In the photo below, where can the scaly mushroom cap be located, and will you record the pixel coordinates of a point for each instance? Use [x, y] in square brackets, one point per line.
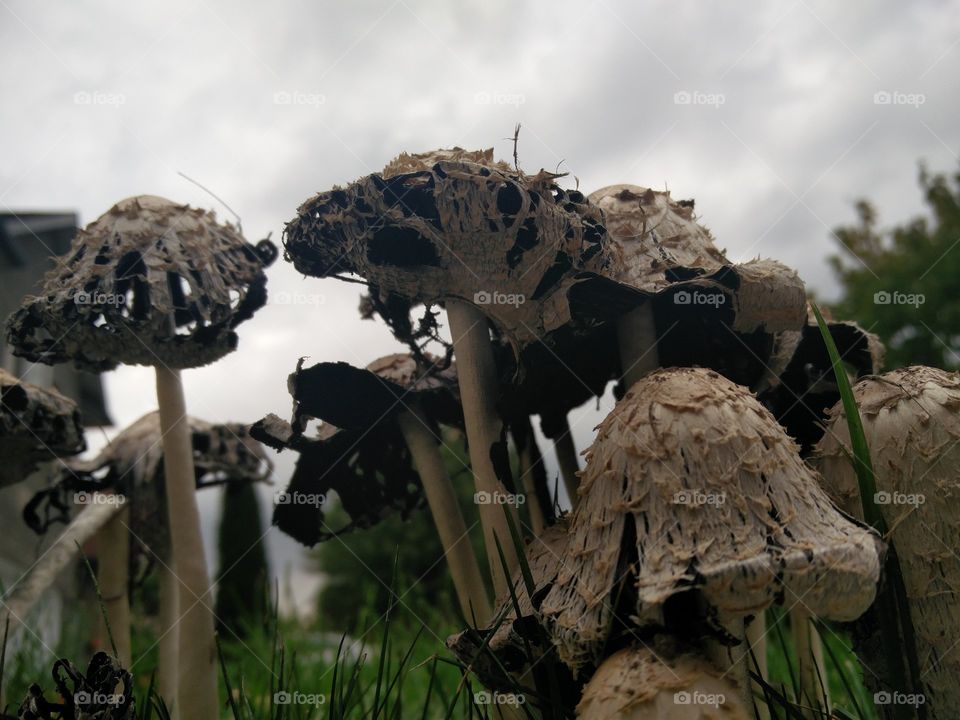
[694, 496]
[708, 311]
[459, 225]
[149, 282]
[36, 424]
[912, 426]
[638, 684]
[132, 465]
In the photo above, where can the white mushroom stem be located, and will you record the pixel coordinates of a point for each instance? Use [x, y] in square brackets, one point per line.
[811, 670]
[168, 647]
[437, 486]
[567, 460]
[477, 377]
[19, 600]
[637, 337]
[526, 459]
[734, 660]
[755, 633]
[197, 681]
[113, 559]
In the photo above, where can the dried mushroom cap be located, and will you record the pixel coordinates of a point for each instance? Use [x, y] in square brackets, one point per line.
[693, 496]
[149, 282]
[417, 162]
[103, 692]
[356, 399]
[912, 427]
[639, 684]
[477, 231]
[371, 471]
[36, 424]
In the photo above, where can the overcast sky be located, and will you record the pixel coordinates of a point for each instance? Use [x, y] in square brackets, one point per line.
[767, 113]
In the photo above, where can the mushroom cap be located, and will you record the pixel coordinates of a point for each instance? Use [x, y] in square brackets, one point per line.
[357, 399]
[36, 424]
[639, 684]
[912, 427]
[694, 496]
[149, 282]
[463, 227]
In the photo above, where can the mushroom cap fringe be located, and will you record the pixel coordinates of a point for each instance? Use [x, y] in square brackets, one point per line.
[912, 426]
[36, 424]
[694, 497]
[645, 684]
[149, 282]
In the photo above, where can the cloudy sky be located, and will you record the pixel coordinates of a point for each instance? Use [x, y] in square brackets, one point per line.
[775, 116]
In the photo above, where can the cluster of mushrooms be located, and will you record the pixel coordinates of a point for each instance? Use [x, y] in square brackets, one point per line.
[719, 485]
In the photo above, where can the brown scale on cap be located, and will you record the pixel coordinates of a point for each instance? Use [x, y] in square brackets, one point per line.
[912, 427]
[693, 497]
[149, 282]
[36, 424]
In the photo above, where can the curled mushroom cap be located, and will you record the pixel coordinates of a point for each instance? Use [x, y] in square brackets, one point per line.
[456, 224]
[640, 684]
[694, 497]
[149, 282]
[912, 426]
[36, 424]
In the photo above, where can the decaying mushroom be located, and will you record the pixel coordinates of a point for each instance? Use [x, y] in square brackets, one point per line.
[912, 427]
[492, 244]
[131, 467]
[697, 513]
[153, 282]
[378, 449]
[103, 692]
[36, 424]
[640, 683]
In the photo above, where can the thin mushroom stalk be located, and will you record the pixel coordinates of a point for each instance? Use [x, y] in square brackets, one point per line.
[113, 567]
[558, 430]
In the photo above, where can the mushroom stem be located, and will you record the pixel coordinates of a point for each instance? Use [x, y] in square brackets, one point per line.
[197, 681]
[18, 601]
[169, 643]
[811, 670]
[527, 461]
[734, 660]
[442, 500]
[637, 337]
[756, 637]
[113, 558]
[567, 460]
[477, 377]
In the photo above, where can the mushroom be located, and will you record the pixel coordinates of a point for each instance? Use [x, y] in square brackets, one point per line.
[36, 424]
[638, 683]
[910, 420]
[104, 692]
[696, 514]
[457, 227]
[131, 467]
[152, 282]
[387, 415]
